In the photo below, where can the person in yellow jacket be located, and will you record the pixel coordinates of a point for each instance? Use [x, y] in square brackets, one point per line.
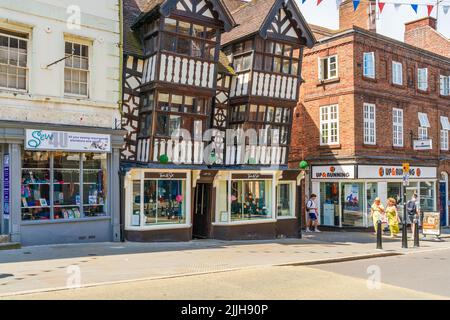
[377, 213]
[392, 217]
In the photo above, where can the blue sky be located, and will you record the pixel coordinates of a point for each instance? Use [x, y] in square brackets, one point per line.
[391, 22]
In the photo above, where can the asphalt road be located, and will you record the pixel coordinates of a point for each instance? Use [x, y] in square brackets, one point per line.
[413, 276]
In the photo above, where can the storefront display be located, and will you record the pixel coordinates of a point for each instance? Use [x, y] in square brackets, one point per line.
[285, 200]
[353, 208]
[329, 206]
[250, 200]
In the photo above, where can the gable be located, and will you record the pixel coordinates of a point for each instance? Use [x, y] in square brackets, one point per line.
[195, 7]
[282, 25]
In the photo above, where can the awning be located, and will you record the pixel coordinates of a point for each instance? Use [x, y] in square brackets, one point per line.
[423, 120]
[445, 123]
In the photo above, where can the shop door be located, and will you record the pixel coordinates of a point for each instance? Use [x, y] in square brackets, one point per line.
[202, 205]
[443, 202]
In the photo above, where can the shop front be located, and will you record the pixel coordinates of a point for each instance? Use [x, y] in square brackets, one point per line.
[178, 205]
[61, 186]
[346, 192]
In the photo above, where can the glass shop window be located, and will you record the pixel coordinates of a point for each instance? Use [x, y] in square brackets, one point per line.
[250, 200]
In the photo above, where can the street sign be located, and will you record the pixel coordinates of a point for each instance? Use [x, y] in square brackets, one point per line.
[406, 180]
[406, 168]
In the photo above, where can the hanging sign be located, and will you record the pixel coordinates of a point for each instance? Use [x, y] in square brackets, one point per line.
[6, 186]
[45, 140]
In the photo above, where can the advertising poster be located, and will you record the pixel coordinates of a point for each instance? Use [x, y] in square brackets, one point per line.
[351, 193]
[431, 223]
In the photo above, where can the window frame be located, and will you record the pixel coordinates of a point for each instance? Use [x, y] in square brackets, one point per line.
[422, 133]
[422, 84]
[292, 199]
[444, 85]
[24, 36]
[329, 122]
[397, 66]
[321, 68]
[444, 139]
[365, 74]
[82, 44]
[396, 113]
[368, 138]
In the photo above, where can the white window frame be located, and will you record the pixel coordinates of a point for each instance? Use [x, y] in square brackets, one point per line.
[397, 73]
[445, 123]
[26, 68]
[326, 60]
[82, 43]
[327, 111]
[397, 127]
[444, 139]
[369, 70]
[292, 200]
[422, 133]
[423, 120]
[370, 124]
[444, 85]
[422, 79]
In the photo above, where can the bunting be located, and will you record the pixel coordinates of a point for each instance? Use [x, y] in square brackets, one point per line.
[397, 5]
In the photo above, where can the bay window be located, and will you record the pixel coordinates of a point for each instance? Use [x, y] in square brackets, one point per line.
[277, 57]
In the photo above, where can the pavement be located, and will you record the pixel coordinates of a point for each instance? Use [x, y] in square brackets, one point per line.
[60, 267]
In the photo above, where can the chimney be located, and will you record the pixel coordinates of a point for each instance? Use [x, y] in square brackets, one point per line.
[364, 17]
[422, 33]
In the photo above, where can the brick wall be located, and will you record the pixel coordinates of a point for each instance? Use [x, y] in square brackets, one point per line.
[363, 17]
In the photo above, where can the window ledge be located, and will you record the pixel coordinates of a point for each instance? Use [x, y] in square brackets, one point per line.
[286, 218]
[60, 221]
[244, 222]
[444, 97]
[372, 146]
[399, 86]
[330, 146]
[328, 81]
[159, 227]
[398, 148]
[423, 91]
[369, 79]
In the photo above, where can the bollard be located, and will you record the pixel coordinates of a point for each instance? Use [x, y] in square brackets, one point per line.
[379, 237]
[416, 234]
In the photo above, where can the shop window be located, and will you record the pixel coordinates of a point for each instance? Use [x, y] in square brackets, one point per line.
[76, 71]
[285, 200]
[353, 204]
[79, 187]
[163, 202]
[329, 204]
[13, 60]
[371, 195]
[427, 196]
[250, 200]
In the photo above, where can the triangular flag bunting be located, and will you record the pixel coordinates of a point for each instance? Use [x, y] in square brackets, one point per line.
[303, 1]
[318, 2]
[381, 6]
[338, 3]
[446, 8]
[415, 6]
[355, 4]
[430, 8]
[397, 6]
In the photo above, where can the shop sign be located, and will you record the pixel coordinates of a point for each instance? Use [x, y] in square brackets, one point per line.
[165, 175]
[45, 140]
[6, 186]
[333, 172]
[431, 223]
[395, 172]
[251, 176]
[423, 144]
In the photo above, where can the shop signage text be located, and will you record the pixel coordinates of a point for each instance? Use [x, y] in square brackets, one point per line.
[165, 175]
[333, 172]
[6, 190]
[251, 176]
[423, 144]
[431, 223]
[395, 172]
[44, 140]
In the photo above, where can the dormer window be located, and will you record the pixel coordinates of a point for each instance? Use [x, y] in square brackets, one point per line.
[189, 39]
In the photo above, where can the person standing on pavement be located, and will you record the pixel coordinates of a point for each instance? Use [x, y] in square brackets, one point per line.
[311, 208]
[413, 212]
[392, 217]
[377, 213]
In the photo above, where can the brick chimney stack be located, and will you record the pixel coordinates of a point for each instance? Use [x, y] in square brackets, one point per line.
[364, 16]
[422, 33]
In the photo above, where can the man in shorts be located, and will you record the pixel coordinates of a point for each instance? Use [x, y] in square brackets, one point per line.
[413, 212]
[311, 209]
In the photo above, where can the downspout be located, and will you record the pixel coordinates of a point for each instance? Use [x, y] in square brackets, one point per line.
[120, 173]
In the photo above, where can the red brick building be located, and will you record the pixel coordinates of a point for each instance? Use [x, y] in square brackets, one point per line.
[368, 104]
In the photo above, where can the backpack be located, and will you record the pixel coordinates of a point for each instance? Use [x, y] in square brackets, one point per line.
[411, 208]
[309, 205]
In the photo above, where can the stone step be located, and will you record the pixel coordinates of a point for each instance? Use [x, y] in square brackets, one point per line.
[10, 246]
[4, 238]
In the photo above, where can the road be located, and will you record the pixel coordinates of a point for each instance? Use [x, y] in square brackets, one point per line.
[413, 276]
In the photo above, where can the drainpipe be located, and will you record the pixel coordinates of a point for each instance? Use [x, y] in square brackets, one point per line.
[121, 41]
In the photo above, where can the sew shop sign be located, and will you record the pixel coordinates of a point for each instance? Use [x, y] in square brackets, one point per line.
[395, 172]
[333, 172]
